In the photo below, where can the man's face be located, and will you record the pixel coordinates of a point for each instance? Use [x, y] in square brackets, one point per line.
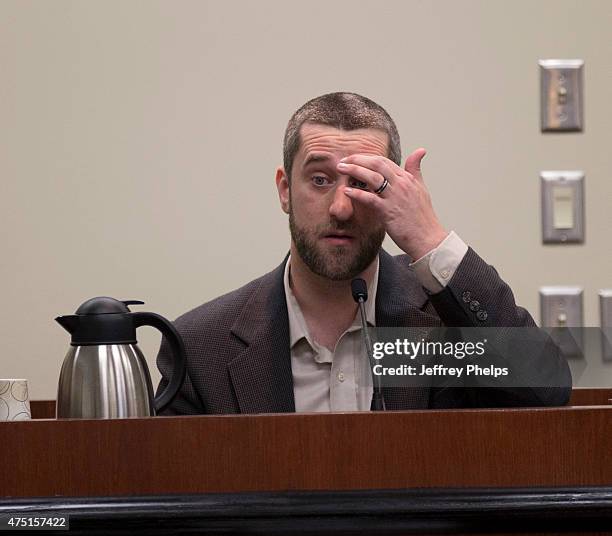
[334, 236]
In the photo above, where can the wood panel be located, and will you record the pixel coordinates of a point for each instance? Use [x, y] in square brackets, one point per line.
[42, 409]
[431, 448]
[591, 397]
[45, 409]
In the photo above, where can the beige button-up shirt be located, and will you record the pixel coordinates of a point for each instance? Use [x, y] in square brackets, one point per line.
[341, 380]
[324, 380]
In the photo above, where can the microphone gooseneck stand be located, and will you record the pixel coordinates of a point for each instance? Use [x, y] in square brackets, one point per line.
[359, 290]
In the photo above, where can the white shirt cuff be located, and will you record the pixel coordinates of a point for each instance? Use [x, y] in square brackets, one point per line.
[436, 268]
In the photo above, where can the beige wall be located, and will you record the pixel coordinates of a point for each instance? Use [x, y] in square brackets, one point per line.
[139, 142]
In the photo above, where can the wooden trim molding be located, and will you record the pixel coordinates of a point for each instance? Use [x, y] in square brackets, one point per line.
[45, 409]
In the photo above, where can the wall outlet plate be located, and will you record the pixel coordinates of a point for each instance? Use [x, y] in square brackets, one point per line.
[562, 197]
[561, 95]
[605, 312]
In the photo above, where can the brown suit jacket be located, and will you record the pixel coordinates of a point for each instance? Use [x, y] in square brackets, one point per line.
[238, 356]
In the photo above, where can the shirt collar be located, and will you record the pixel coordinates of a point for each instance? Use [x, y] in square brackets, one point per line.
[297, 325]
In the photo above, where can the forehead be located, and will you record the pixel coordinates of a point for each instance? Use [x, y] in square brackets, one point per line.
[315, 138]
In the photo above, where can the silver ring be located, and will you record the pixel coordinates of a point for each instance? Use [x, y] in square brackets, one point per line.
[382, 187]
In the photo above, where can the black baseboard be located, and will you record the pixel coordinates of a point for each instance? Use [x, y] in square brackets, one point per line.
[411, 511]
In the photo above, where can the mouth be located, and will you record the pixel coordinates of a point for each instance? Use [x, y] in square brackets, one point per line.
[338, 238]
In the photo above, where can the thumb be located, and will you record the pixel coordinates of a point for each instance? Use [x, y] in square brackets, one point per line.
[413, 163]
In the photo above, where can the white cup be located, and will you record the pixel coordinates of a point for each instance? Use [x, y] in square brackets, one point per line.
[14, 400]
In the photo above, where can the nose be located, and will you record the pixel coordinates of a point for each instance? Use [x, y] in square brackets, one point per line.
[341, 206]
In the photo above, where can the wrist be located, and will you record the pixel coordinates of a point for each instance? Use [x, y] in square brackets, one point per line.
[420, 248]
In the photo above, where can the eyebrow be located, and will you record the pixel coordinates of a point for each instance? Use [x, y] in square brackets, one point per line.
[316, 157]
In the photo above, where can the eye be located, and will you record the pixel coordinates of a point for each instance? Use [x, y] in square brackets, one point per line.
[359, 184]
[320, 180]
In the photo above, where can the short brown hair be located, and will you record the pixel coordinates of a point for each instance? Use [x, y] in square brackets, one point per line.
[346, 111]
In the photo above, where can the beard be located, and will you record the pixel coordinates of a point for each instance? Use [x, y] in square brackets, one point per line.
[338, 263]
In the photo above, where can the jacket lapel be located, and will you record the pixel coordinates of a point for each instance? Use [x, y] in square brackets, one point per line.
[400, 298]
[261, 373]
[402, 302]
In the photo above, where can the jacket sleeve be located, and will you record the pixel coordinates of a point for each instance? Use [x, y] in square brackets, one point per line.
[186, 402]
[477, 297]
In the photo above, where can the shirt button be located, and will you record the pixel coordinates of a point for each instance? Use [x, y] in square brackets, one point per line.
[467, 296]
[444, 274]
[482, 315]
[474, 305]
[341, 376]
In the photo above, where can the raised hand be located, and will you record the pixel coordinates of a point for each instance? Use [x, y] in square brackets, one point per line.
[404, 204]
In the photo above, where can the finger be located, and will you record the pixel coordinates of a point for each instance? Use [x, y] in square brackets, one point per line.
[382, 165]
[365, 198]
[413, 163]
[371, 179]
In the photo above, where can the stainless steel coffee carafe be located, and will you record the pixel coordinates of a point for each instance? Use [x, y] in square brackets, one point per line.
[104, 374]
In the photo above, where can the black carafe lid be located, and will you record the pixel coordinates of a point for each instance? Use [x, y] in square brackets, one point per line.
[101, 320]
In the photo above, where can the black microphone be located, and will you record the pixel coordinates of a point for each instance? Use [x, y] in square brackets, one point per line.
[359, 290]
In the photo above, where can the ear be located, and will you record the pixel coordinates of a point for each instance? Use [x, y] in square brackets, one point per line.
[282, 185]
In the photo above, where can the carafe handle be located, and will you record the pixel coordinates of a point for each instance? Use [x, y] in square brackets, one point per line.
[178, 350]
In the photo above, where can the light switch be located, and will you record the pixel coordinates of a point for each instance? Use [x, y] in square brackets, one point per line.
[562, 195]
[561, 99]
[561, 307]
[563, 207]
[561, 313]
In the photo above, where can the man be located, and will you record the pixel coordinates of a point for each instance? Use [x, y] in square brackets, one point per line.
[290, 340]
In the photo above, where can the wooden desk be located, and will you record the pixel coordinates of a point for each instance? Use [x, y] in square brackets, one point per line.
[428, 448]
[427, 472]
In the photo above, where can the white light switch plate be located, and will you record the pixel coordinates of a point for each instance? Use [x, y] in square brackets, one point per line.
[562, 194]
